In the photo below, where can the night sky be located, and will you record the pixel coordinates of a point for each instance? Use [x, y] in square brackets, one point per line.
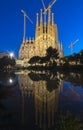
[68, 17]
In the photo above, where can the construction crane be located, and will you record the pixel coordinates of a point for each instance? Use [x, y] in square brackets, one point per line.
[72, 44]
[46, 9]
[49, 6]
[25, 16]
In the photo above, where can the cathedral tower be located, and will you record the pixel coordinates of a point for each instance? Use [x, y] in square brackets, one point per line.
[46, 35]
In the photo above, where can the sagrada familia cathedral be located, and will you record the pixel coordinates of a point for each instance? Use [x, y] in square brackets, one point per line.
[46, 35]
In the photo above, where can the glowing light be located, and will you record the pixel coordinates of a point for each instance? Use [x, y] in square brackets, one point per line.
[10, 81]
[11, 54]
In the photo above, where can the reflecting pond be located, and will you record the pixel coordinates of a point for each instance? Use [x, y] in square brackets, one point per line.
[41, 100]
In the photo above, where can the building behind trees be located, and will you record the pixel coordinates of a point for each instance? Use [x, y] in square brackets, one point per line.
[46, 35]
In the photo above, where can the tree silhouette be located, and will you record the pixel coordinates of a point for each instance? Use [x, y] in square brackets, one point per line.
[34, 60]
[52, 55]
[44, 59]
[76, 58]
[50, 59]
[6, 61]
[81, 57]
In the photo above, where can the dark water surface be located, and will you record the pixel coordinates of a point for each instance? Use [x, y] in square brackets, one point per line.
[41, 101]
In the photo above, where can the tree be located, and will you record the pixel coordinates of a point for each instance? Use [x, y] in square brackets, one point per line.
[81, 57]
[50, 59]
[34, 60]
[69, 122]
[44, 59]
[52, 55]
[76, 57]
[7, 61]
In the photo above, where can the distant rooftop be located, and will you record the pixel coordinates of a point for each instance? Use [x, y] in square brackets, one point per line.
[2, 54]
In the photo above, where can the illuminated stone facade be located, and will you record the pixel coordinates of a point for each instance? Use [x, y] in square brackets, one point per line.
[46, 35]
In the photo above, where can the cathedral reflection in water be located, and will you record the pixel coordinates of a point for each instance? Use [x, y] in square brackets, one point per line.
[44, 89]
[41, 100]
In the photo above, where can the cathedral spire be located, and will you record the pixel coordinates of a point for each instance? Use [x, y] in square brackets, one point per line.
[37, 19]
[61, 46]
[52, 18]
[53, 33]
[45, 22]
[41, 23]
[37, 25]
[44, 18]
[49, 12]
